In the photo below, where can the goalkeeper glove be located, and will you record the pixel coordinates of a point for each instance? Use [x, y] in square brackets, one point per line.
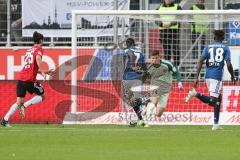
[180, 85]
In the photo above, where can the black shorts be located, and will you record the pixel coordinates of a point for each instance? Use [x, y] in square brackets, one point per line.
[31, 87]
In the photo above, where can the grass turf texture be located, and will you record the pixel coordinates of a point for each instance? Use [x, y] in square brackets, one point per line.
[103, 142]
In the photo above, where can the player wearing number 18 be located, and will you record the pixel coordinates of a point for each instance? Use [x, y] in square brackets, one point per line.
[27, 80]
[215, 55]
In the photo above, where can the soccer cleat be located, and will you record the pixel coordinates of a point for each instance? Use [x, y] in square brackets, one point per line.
[216, 127]
[147, 126]
[5, 123]
[22, 111]
[132, 123]
[141, 123]
[192, 93]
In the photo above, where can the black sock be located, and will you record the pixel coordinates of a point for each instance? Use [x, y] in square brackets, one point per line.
[137, 109]
[216, 112]
[203, 98]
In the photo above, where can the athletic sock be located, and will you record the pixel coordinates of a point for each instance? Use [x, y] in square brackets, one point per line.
[34, 100]
[137, 109]
[11, 111]
[216, 112]
[203, 98]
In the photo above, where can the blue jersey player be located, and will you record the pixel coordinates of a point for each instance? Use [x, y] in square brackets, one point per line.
[134, 69]
[215, 54]
[135, 61]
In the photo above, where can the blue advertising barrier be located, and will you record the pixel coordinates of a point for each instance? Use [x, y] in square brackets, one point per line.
[233, 32]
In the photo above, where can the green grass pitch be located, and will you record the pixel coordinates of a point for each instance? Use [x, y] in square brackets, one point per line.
[116, 142]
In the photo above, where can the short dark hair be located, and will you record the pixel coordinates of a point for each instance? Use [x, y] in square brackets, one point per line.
[130, 42]
[155, 53]
[37, 37]
[219, 35]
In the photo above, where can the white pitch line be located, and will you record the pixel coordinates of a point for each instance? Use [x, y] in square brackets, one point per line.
[112, 130]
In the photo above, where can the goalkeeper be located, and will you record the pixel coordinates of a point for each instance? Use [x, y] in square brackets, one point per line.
[134, 70]
[162, 72]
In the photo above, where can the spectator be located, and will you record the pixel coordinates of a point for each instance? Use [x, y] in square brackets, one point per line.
[199, 29]
[3, 18]
[134, 5]
[16, 20]
[169, 32]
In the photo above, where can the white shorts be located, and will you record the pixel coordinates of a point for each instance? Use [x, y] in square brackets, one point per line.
[214, 87]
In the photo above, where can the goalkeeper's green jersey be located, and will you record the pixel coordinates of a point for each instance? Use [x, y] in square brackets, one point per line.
[162, 75]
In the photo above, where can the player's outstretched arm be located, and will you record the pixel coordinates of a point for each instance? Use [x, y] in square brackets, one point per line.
[42, 71]
[175, 72]
[199, 67]
[230, 70]
[178, 76]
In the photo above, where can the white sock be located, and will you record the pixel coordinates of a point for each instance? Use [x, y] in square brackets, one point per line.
[151, 110]
[11, 111]
[34, 100]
